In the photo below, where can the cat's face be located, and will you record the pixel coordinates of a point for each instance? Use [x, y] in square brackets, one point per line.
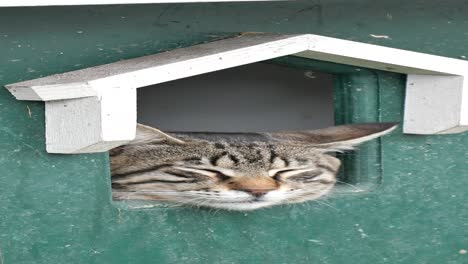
[234, 171]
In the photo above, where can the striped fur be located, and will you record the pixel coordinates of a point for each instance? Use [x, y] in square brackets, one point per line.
[234, 171]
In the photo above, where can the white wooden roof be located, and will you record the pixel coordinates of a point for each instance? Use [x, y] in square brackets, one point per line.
[436, 99]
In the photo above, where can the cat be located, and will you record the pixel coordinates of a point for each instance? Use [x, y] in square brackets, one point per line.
[233, 171]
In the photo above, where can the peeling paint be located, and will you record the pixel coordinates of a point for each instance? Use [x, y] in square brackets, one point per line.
[379, 36]
[318, 242]
[361, 231]
[29, 111]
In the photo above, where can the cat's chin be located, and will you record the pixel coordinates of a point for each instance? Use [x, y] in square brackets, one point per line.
[242, 206]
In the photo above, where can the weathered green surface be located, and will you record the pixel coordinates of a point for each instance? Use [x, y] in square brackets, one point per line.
[57, 209]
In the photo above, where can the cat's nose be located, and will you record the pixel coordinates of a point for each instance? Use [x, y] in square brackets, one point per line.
[257, 192]
[255, 186]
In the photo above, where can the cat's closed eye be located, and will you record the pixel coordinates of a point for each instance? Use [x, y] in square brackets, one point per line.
[234, 171]
[301, 175]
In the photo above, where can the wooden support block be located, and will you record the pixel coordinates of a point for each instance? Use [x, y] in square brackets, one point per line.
[433, 104]
[91, 124]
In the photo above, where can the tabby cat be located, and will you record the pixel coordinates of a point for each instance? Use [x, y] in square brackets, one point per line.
[234, 171]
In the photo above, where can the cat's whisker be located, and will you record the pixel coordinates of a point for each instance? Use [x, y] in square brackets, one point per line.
[216, 211]
[350, 185]
[325, 203]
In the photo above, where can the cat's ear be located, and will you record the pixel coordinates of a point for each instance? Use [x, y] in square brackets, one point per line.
[337, 138]
[146, 134]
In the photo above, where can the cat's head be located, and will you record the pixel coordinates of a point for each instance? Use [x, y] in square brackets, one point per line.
[234, 171]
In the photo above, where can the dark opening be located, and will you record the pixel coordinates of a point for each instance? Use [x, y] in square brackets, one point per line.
[256, 97]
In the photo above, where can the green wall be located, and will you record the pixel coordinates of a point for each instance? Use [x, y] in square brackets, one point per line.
[57, 208]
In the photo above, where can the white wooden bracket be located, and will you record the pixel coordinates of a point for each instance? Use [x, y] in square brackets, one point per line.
[94, 109]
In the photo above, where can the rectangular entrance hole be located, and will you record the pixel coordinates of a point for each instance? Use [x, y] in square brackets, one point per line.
[252, 98]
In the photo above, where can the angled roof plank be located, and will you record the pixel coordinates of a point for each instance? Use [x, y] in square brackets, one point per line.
[161, 67]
